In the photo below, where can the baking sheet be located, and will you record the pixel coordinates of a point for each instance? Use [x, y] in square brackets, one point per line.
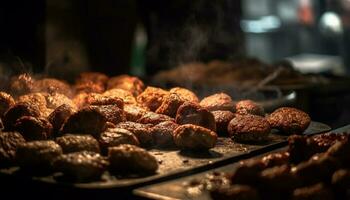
[176, 189]
[176, 163]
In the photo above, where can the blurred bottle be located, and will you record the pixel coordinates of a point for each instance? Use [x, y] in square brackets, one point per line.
[138, 51]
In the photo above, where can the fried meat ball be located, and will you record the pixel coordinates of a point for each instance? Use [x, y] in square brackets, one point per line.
[81, 166]
[88, 120]
[92, 77]
[219, 101]
[185, 94]
[37, 99]
[153, 118]
[141, 131]
[59, 116]
[37, 156]
[190, 136]
[240, 192]
[9, 141]
[89, 87]
[17, 111]
[127, 96]
[289, 120]
[33, 128]
[6, 101]
[116, 136]
[190, 113]
[112, 113]
[318, 191]
[222, 118]
[249, 107]
[249, 128]
[131, 159]
[128, 83]
[51, 85]
[55, 100]
[170, 105]
[21, 84]
[162, 134]
[134, 112]
[73, 143]
[152, 98]
[100, 100]
[340, 151]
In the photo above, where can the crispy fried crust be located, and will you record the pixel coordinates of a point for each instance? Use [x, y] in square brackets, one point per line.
[222, 118]
[152, 98]
[249, 107]
[219, 101]
[74, 143]
[33, 128]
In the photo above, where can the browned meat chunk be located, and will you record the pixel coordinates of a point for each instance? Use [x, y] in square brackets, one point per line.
[190, 113]
[21, 84]
[318, 191]
[100, 100]
[37, 156]
[131, 159]
[222, 118]
[185, 94]
[170, 105]
[153, 118]
[6, 101]
[55, 100]
[92, 77]
[239, 192]
[141, 131]
[81, 166]
[17, 111]
[163, 134]
[59, 116]
[33, 128]
[88, 120]
[190, 136]
[128, 83]
[340, 151]
[127, 96]
[74, 143]
[116, 136]
[219, 101]
[152, 98]
[249, 107]
[249, 128]
[112, 113]
[51, 85]
[37, 99]
[9, 141]
[89, 87]
[133, 112]
[289, 120]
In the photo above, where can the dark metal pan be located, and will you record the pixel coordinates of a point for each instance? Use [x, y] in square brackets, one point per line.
[175, 163]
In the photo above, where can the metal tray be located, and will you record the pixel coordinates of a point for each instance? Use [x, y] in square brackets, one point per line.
[175, 163]
[176, 189]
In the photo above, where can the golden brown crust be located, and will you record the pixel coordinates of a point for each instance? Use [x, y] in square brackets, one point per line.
[128, 83]
[152, 98]
[185, 94]
[170, 105]
[249, 107]
[222, 118]
[6, 101]
[75, 143]
[219, 101]
[141, 131]
[154, 118]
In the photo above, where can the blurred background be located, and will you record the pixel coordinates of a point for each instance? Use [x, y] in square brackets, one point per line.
[298, 49]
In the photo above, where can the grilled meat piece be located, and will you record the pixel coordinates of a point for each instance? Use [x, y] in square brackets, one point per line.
[37, 156]
[190, 113]
[112, 113]
[127, 96]
[249, 128]
[185, 94]
[73, 143]
[88, 120]
[59, 116]
[170, 105]
[249, 107]
[89, 87]
[222, 119]
[134, 112]
[318, 191]
[37, 99]
[340, 151]
[6, 101]
[219, 101]
[141, 131]
[101, 100]
[128, 83]
[17, 111]
[33, 128]
[152, 98]
[116, 136]
[195, 137]
[21, 84]
[153, 118]
[9, 141]
[162, 134]
[55, 100]
[289, 120]
[131, 159]
[92, 77]
[51, 85]
[81, 166]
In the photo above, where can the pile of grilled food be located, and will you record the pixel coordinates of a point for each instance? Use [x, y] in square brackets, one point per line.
[102, 123]
[316, 167]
